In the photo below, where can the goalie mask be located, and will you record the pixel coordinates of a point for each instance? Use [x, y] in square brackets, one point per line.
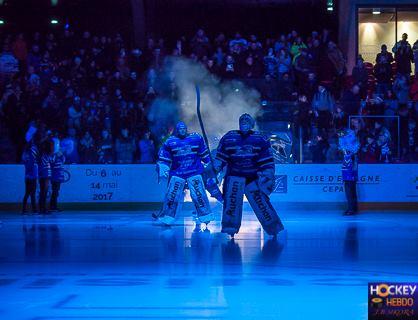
[246, 123]
[181, 130]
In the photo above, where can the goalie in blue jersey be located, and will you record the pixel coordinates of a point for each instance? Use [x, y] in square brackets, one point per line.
[182, 160]
[249, 163]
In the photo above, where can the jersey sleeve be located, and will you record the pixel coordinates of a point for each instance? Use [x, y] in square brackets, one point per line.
[203, 151]
[164, 154]
[221, 154]
[265, 159]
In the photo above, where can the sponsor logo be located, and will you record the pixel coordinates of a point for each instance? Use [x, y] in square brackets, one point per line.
[393, 301]
[233, 198]
[172, 196]
[262, 206]
[198, 191]
[280, 184]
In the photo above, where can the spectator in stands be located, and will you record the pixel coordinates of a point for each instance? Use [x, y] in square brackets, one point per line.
[369, 150]
[69, 146]
[297, 47]
[360, 75]
[125, 147]
[403, 56]
[413, 91]
[320, 148]
[415, 51]
[9, 65]
[401, 88]
[384, 56]
[383, 71]
[87, 149]
[302, 66]
[284, 63]
[350, 100]
[146, 149]
[323, 106]
[105, 148]
[251, 69]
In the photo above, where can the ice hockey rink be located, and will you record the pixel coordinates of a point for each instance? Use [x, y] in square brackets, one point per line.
[121, 265]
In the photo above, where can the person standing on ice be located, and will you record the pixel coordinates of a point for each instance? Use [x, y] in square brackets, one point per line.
[249, 163]
[182, 160]
[349, 145]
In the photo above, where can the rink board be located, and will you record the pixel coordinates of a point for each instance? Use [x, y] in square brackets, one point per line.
[308, 183]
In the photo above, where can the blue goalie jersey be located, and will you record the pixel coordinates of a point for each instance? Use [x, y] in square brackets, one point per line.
[245, 155]
[184, 156]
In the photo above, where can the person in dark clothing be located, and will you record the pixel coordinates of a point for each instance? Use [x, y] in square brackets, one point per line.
[44, 173]
[350, 101]
[57, 175]
[360, 75]
[30, 158]
[383, 71]
[403, 56]
[349, 145]
[320, 149]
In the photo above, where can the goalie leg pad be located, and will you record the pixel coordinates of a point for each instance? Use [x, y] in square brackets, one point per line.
[172, 199]
[233, 200]
[200, 198]
[263, 209]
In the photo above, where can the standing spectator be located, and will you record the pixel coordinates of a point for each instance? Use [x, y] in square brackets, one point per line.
[403, 56]
[369, 151]
[320, 148]
[401, 89]
[284, 63]
[57, 175]
[146, 149]
[323, 106]
[69, 147]
[383, 71]
[350, 100]
[360, 75]
[20, 50]
[105, 148]
[9, 65]
[125, 147]
[411, 152]
[87, 149]
[415, 51]
[384, 56]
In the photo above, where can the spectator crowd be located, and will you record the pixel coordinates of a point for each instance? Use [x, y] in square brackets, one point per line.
[94, 92]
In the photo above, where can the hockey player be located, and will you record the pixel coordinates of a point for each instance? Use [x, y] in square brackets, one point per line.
[349, 145]
[182, 159]
[57, 175]
[249, 170]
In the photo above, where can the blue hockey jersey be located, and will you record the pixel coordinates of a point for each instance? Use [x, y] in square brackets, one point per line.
[30, 158]
[57, 167]
[245, 154]
[350, 167]
[184, 156]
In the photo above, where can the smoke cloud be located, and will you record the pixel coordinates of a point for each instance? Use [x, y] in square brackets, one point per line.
[222, 102]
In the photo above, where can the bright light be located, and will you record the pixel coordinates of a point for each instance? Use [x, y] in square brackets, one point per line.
[330, 9]
[54, 21]
[2, 21]
[54, 2]
[376, 11]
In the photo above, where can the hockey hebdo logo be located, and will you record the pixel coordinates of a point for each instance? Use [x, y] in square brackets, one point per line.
[389, 301]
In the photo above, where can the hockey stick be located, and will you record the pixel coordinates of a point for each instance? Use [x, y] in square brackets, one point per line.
[202, 127]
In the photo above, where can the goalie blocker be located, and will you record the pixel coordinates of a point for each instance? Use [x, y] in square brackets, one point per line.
[234, 190]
